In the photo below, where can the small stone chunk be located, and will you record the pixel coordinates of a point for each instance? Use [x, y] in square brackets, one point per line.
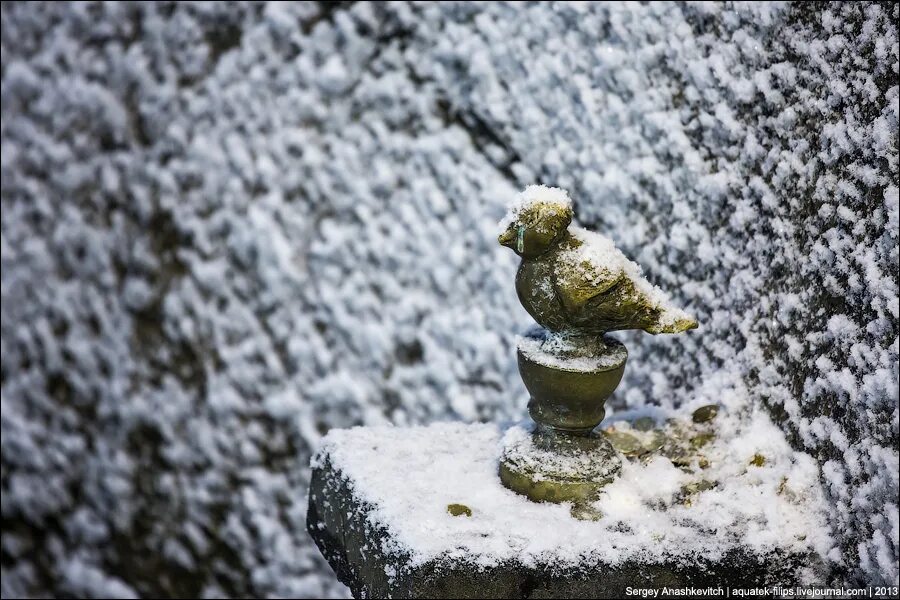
[692, 489]
[782, 486]
[758, 460]
[459, 510]
[679, 440]
[625, 443]
[654, 442]
[585, 512]
[644, 424]
[705, 413]
[698, 486]
[677, 453]
[702, 439]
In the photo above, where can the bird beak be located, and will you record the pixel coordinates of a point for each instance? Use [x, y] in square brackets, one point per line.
[508, 237]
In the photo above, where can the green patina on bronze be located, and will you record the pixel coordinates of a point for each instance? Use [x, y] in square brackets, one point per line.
[557, 466]
[570, 400]
[565, 296]
[582, 301]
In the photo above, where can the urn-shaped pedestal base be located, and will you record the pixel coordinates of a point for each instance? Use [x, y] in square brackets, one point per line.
[569, 378]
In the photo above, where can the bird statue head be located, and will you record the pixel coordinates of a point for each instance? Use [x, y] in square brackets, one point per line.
[537, 219]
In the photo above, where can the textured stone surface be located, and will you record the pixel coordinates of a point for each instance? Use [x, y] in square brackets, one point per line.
[229, 227]
[364, 556]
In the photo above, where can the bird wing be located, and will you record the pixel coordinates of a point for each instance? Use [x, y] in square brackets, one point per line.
[576, 284]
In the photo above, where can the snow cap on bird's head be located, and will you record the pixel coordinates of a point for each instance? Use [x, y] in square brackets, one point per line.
[536, 201]
[535, 218]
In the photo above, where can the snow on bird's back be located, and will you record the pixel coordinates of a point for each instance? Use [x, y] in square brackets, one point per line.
[597, 258]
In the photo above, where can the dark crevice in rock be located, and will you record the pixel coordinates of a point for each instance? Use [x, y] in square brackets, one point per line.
[483, 137]
[326, 12]
[222, 38]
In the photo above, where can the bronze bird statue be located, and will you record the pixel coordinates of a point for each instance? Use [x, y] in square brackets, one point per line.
[577, 281]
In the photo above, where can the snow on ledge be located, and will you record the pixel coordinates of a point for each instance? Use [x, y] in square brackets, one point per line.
[409, 476]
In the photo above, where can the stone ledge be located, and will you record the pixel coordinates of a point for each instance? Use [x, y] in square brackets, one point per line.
[374, 557]
[350, 545]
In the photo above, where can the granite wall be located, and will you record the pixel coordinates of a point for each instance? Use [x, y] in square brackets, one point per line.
[227, 228]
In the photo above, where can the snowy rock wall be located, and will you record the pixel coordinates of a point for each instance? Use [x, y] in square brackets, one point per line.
[227, 228]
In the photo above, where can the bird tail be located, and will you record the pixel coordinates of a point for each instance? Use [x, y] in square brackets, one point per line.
[672, 321]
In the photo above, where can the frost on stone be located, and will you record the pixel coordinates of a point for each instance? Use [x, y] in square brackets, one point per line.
[408, 476]
[562, 350]
[230, 227]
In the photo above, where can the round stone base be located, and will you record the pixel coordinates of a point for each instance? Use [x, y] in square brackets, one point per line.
[557, 466]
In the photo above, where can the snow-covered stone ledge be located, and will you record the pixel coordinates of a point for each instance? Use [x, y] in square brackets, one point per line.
[421, 512]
